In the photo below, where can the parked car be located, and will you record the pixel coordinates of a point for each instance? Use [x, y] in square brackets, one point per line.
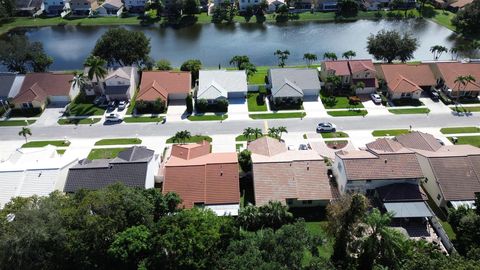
[291, 147]
[376, 98]
[122, 105]
[440, 141]
[113, 117]
[303, 147]
[326, 127]
[99, 100]
[111, 106]
[434, 95]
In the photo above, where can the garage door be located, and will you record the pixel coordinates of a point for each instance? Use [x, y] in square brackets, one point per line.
[310, 94]
[180, 96]
[59, 100]
[236, 94]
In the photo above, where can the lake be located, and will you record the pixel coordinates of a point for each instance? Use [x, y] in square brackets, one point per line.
[216, 44]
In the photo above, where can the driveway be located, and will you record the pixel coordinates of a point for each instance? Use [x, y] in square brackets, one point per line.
[435, 107]
[374, 109]
[49, 117]
[314, 108]
[237, 109]
[176, 110]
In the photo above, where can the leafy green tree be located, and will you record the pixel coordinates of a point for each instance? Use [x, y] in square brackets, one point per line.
[247, 133]
[348, 8]
[349, 54]
[96, 68]
[194, 66]
[245, 160]
[390, 45]
[18, 54]
[309, 58]
[467, 19]
[222, 105]
[218, 15]
[271, 215]
[437, 51]
[332, 83]
[25, 132]
[201, 105]
[238, 60]
[191, 7]
[461, 82]
[123, 47]
[189, 103]
[282, 57]
[163, 64]
[249, 68]
[330, 56]
[7, 9]
[257, 132]
[131, 246]
[273, 132]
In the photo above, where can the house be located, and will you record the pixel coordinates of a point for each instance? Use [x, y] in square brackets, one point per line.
[28, 7]
[10, 84]
[273, 5]
[452, 172]
[33, 171]
[203, 179]
[352, 72]
[39, 89]
[407, 80]
[53, 7]
[164, 85]
[119, 84]
[382, 163]
[446, 74]
[291, 84]
[214, 85]
[453, 6]
[133, 167]
[243, 4]
[81, 7]
[109, 8]
[135, 6]
[297, 178]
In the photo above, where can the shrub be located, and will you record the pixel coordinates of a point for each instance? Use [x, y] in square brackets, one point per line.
[222, 105]
[155, 107]
[189, 103]
[444, 98]
[245, 160]
[354, 100]
[201, 105]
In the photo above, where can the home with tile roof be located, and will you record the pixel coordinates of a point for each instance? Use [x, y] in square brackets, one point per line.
[352, 72]
[202, 178]
[407, 80]
[134, 167]
[214, 85]
[297, 178]
[447, 73]
[33, 171]
[293, 85]
[452, 172]
[40, 89]
[119, 83]
[10, 84]
[164, 85]
[383, 162]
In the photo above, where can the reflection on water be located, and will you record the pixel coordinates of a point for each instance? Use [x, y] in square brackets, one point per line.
[216, 44]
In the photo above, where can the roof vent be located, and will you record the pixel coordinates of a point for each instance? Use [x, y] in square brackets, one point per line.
[385, 161]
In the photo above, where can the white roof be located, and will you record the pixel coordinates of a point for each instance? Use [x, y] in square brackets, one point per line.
[17, 84]
[33, 171]
[468, 204]
[218, 83]
[224, 209]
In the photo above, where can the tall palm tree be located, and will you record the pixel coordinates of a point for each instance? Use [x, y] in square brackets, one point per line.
[454, 53]
[182, 136]
[96, 67]
[282, 57]
[349, 54]
[333, 82]
[309, 58]
[79, 80]
[462, 81]
[437, 51]
[257, 132]
[238, 60]
[273, 132]
[281, 130]
[247, 133]
[25, 132]
[330, 56]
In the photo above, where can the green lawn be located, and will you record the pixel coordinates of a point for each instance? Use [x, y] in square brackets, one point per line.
[278, 115]
[444, 18]
[142, 119]
[11, 123]
[338, 134]
[242, 138]
[83, 121]
[410, 111]
[193, 139]
[83, 109]
[238, 146]
[472, 140]
[339, 103]
[466, 109]
[253, 105]
[348, 113]
[119, 141]
[456, 130]
[208, 117]
[317, 228]
[259, 76]
[389, 132]
[103, 153]
[59, 143]
[61, 151]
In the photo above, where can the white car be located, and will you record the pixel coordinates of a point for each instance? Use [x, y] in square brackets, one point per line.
[122, 105]
[326, 127]
[376, 98]
[113, 117]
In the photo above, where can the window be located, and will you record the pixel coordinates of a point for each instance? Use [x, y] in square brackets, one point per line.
[426, 180]
[439, 197]
[369, 181]
[289, 201]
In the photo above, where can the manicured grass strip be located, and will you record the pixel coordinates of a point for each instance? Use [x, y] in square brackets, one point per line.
[84, 109]
[253, 105]
[12, 123]
[142, 119]
[456, 130]
[103, 153]
[389, 132]
[410, 111]
[347, 113]
[242, 138]
[238, 146]
[59, 143]
[213, 117]
[84, 121]
[61, 151]
[193, 139]
[259, 76]
[119, 141]
[472, 140]
[338, 103]
[277, 115]
[338, 134]
[449, 230]
[466, 109]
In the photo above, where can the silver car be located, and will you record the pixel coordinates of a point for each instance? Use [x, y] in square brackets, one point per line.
[113, 117]
[326, 127]
[122, 105]
[376, 98]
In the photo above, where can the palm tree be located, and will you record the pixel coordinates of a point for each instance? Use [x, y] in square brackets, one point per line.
[282, 57]
[275, 214]
[330, 56]
[462, 81]
[247, 133]
[349, 54]
[96, 67]
[437, 51]
[249, 68]
[257, 132]
[238, 60]
[454, 52]
[182, 136]
[309, 58]
[333, 82]
[79, 80]
[25, 132]
[273, 132]
[281, 130]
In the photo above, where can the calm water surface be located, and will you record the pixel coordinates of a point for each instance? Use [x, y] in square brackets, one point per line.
[214, 45]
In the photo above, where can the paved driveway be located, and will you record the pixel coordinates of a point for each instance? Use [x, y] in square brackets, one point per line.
[374, 109]
[435, 107]
[49, 117]
[314, 108]
[176, 110]
[237, 109]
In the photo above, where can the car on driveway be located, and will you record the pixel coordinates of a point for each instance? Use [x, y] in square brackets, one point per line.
[326, 127]
[434, 95]
[100, 100]
[376, 98]
[122, 105]
[303, 146]
[113, 117]
[111, 106]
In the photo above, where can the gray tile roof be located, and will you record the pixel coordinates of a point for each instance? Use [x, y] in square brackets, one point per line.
[116, 90]
[129, 168]
[290, 80]
[6, 83]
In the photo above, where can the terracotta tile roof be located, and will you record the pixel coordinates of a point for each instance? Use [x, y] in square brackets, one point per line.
[361, 65]
[401, 192]
[461, 3]
[419, 140]
[385, 146]
[341, 67]
[458, 177]
[450, 71]
[190, 151]
[301, 180]
[267, 146]
[406, 77]
[159, 84]
[208, 178]
[38, 86]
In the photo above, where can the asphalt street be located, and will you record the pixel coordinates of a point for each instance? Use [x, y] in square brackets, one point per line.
[236, 126]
